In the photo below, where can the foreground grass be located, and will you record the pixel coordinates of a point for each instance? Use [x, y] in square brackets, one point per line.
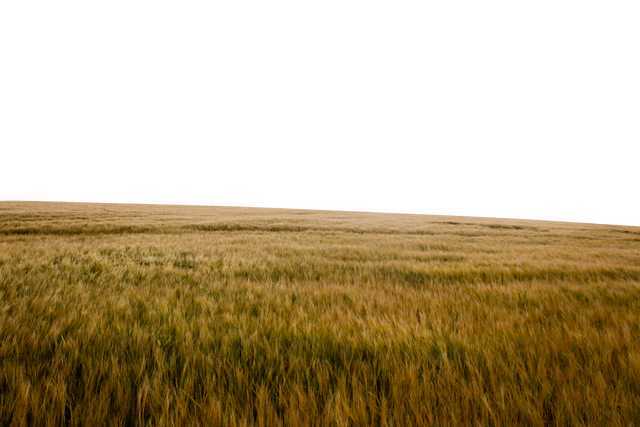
[134, 315]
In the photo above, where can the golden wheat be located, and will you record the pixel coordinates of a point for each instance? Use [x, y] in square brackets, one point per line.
[166, 315]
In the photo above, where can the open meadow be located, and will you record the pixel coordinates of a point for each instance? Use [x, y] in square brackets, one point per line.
[169, 315]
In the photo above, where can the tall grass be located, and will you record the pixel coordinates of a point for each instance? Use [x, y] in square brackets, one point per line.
[158, 315]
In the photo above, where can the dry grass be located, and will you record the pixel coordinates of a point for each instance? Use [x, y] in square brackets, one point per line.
[164, 315]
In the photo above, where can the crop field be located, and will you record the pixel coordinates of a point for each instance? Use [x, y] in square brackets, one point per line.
[170, 316]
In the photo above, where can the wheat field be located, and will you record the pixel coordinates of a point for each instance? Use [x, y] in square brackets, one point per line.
[169, 316]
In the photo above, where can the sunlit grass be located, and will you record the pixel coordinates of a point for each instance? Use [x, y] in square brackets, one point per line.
[134, 315]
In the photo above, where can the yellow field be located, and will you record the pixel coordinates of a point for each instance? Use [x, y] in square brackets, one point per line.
[166, 315]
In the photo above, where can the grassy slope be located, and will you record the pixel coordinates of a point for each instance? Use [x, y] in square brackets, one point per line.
[129, 315]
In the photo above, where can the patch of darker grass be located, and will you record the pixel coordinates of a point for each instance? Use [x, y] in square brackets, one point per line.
[75, 231]
[505, 227]
[434, 247]
[447, 258]
[186, 260]
[235, 226]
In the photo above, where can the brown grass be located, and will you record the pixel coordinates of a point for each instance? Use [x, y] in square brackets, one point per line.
[166, 315]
